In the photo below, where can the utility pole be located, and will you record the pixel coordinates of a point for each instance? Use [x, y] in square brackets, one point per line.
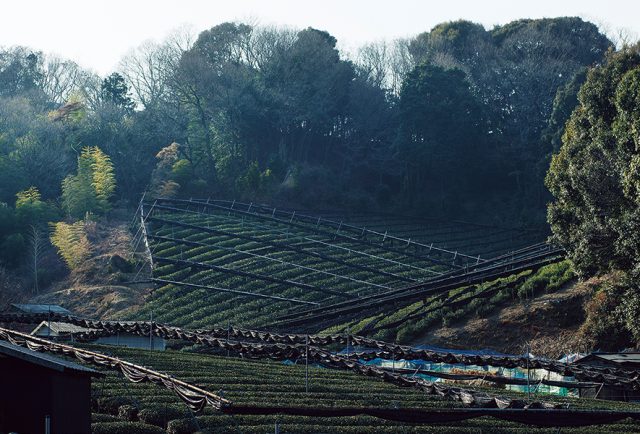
[348, 341]
[151, 331]
[228, 335]
[528, 373]
[306, 363]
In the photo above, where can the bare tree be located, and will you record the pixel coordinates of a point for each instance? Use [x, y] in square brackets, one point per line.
[61, 78]
[624, 37]
[267, 43]
[385, 64]
[37, 245]
[373, 61]
[400, 64]
[143, 71]
[151, 67]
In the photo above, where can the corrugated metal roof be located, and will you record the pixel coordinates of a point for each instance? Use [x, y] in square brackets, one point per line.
[620, 357]
[58, 328]
[41, 308]
[45, 360]
[623, 359]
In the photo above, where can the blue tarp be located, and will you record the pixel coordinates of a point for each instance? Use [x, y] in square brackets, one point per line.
[481, 352]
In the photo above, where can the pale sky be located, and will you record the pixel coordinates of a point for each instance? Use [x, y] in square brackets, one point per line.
[97, 33]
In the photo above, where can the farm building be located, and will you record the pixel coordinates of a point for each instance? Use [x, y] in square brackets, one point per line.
[630, 360]
[130, 340]
[61, 331]
[627, 361]
[42, 393]
[39, 308]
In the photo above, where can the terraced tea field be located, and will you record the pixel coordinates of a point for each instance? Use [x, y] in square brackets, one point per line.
[222, 262]
[265, 383]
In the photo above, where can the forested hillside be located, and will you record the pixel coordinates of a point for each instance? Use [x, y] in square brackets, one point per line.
[458, 122]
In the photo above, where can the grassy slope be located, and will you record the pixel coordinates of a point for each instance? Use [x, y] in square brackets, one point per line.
[274, 384]
[98, 288]
[431, 314]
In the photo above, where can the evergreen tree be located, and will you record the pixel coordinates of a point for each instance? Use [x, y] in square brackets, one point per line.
[595, 179]
[114, 90]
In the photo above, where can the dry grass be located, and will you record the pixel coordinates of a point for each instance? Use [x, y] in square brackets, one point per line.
[549, 324]
[95, 288]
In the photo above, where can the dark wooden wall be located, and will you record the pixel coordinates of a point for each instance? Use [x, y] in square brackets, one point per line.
[28, 393]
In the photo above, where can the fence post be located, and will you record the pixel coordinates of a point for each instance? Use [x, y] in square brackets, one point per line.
[348, 341]
[306, 363]
[528, 374]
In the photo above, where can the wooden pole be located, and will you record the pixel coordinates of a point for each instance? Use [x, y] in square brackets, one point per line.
[348, 341]
[306, 363]
[528, 373]
[151, 331]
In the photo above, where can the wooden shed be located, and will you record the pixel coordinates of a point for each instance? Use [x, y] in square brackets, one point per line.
[42, 393]
[61, 331]
[625, 361]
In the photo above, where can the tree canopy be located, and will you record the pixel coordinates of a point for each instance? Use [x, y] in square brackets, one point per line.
[595, 181]
[595, 176]
[457, 122]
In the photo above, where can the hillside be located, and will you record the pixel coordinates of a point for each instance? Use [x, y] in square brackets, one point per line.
[224, 264]
[227, 262]
[502, 314]
[437, 233]
[231, 263]
[548, 323]
[101, 286]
